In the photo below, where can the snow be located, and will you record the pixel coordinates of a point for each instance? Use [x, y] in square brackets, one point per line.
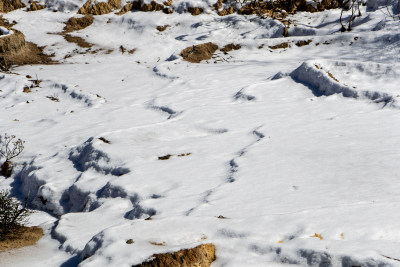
[5, 32]
[286, 144]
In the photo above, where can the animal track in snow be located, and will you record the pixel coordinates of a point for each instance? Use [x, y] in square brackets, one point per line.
[233, 169]
[171, 113]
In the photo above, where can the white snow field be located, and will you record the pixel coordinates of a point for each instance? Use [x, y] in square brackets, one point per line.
[297, 150]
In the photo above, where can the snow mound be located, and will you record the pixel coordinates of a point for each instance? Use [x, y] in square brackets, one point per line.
[44, 181]
[4, 32]
[328, 78]
[87, 156]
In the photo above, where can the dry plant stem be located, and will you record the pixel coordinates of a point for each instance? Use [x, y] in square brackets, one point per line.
[13, 215]
[11, 149]
[354, 5]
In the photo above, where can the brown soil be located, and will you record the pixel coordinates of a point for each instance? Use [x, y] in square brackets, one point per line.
[28, 237]
[184, 154]
[303, 43]
[223, 12]
[10, 5]
[226, 11]
[12, 43]
[15, 51]
[76, 24]
[162, 28]
[128, 7]
[230, 47]
[200, 256]
[195, 10]
[168, 11]
[197, 53]
[77, 40]
[164, 157]
[34, 6]
[5, 23]
[99, 8]
[281, 8]
[279, 46]
[153, 6]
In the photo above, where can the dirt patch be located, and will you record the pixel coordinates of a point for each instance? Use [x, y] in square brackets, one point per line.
[303, 43]
[77, 40]
[184, 154]
[281, 8]
[162, 28]
[279, 46]
[230, 47]
[195, 10]
[168, 10]
[12, 43]
[99, 8]
[227, 11]
[5, 23]
[76, 24]
[153, 6]
[197, 53]
[15, 51]
[10, 5]
[165, 157]
[128, 7]
[167, 3]
[34, 6]
[200, 256]
[27, 237]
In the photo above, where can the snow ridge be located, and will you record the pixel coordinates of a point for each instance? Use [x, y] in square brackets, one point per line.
[322, 82]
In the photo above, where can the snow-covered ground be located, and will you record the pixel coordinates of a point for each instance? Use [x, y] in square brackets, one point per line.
[297, 149]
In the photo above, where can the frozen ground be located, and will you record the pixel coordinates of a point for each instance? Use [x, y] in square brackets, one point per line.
[298, 148]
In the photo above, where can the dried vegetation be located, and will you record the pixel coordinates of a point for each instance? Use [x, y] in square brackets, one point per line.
[197, 53]
[14, 50]
[200, 256]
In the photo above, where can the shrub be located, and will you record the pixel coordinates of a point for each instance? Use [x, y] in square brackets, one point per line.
[9, 149]
[13, 215]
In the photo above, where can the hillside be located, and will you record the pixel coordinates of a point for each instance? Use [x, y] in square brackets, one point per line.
[155, 127]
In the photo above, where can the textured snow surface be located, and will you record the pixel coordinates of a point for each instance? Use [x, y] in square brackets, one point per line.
[276, 156]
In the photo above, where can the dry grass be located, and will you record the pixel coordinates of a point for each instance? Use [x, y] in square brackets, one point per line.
[303, 42]
[7, 6]
[14, 50]
[162, 28]
[230, 47]
[200, 256]
[100, 8]
[34, 6]
[197, 53]
[280, 46]
[28, 237]
[76, 24]
[195, 10]
[77, 40]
